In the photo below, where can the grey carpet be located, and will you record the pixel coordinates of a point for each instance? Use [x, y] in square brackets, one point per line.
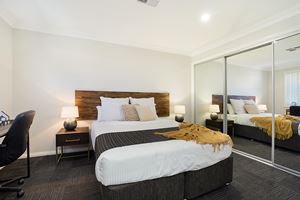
[283, 157]
[74, 178]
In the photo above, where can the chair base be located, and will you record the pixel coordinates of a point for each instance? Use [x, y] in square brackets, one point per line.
[17, 189]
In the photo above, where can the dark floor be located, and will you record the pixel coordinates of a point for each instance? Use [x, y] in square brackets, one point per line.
[74, 179]
[283, 157]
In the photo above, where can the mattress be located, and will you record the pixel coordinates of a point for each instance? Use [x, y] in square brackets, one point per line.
[147, 161]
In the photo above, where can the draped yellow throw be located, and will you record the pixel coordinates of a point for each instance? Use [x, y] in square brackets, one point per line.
[199, 134]
[283, 125]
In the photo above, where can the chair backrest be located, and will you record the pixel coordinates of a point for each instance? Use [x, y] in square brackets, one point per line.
[16, 138]
[295, 110]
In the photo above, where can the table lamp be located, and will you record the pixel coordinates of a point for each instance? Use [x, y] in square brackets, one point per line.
[179, 111]
[214, 109]
[69, 113]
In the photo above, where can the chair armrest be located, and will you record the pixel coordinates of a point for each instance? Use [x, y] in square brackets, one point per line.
[3, 145]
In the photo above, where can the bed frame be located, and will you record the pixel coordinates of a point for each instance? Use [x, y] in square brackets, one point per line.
[88, 100]
[255, 133]
[186, 185]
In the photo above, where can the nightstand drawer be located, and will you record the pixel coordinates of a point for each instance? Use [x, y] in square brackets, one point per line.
[72, 139]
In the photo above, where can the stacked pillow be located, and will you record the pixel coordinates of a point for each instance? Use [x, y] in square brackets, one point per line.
[243, 106]
[119, 109]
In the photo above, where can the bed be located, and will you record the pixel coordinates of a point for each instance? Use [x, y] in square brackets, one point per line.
[243, 127]
[134, 163]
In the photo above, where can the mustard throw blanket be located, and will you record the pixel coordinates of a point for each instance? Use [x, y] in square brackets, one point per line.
[283, 125]
[199, 134]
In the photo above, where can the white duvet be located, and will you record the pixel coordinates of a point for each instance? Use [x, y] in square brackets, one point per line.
[244, 119]
[148, 161]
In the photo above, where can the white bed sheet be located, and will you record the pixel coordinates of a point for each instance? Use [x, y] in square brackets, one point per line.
[148, 161]
[244, 119]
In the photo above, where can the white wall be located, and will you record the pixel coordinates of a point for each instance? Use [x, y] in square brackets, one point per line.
[48, 68]
[209, 79]
[6, 64]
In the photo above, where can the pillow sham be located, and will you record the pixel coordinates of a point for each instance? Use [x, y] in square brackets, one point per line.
[251, 108]
[145, 113]
[238, 106]
[249, 102]
[98, 113]
[230, 109]
[130, 113]
[111, 108]
[145, 102]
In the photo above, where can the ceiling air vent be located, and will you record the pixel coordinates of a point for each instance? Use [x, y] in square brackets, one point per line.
[293, 48]
[153, 3]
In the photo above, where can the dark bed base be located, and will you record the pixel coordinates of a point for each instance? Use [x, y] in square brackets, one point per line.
[186, 185]
[257, 134]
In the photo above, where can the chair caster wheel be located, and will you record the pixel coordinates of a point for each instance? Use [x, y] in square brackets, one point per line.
[20, 193]
[21, 181]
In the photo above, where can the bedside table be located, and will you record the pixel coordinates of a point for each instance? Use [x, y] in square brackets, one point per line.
[217, 125]
[80, 136]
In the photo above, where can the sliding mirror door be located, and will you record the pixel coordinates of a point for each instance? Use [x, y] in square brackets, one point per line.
[249, 91]
[287, 101]
[209, 82]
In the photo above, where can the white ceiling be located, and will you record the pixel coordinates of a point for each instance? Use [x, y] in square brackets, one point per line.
[262, 58]
[173, 26]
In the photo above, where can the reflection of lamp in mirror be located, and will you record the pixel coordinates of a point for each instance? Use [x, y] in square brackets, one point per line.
[70, 113]
[179, 111]
[214, 109]
[262, 108]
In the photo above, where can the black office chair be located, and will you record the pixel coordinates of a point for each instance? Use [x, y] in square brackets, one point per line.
[295, 110]
[13, 146]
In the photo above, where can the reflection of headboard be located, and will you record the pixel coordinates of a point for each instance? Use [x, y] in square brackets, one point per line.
[88, 100]
[218, 99]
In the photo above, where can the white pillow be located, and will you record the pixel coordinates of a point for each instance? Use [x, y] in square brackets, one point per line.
[99, 113]
[111, 108]
[230, 109]
[238, 106]
[149, 102]
[249, 102]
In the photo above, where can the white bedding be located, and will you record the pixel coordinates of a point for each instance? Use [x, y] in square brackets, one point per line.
[148, 161]
[244, 119]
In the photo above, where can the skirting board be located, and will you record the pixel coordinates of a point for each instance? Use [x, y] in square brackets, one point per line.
[50, 153]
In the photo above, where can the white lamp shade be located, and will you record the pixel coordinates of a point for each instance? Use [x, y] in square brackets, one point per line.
[69, 112]
[262, 107]
[179, 109]
[214, 108]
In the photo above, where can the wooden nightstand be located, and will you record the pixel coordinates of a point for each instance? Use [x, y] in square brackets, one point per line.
[80, 136]
[217, 125]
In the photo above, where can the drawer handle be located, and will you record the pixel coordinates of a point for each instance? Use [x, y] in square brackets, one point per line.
[74, 140]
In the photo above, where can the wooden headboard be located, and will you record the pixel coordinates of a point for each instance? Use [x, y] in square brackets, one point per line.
[218, 99]
[88, 100]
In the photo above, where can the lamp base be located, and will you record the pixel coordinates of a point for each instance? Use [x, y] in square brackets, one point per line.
[214, 116]
[179, 118]
[70, 125]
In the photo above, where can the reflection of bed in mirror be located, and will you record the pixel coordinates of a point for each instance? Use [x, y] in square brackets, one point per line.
[243, 127]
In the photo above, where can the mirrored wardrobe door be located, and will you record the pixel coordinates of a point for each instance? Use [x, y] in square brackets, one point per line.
[287, 102]
[249, 94]
[209, 89]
